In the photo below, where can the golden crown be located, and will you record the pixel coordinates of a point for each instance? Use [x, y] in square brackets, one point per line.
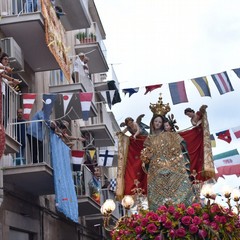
[159, 108]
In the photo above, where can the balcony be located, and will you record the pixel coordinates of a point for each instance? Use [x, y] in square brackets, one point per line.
[28, 30]
[30, 168]
[101, 128]
[92, 45]
[76, 16]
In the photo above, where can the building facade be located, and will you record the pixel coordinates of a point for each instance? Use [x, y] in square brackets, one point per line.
[45, 42]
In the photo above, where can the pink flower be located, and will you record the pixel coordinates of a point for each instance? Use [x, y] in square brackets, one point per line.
[172, 233]
[186, 220]
[214, 226]
[159, 237]
[205, 216]
[190, 211]
[181, 206]
[177, 215]
[168, 224]
[202, 233]
[152, 216]
[214, 208]
[151, 228]
[171, 209]
[181, 232]
[144, 222]
[222, 220]
[196, 220]
[162, 209]
[138, 229]
[197, 205]
[193, 228]
[163, 218]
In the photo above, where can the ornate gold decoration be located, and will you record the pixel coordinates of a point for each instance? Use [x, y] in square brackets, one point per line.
[159, 108]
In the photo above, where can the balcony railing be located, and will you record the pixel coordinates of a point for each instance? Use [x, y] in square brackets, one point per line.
[87, 185]
[10, 101]
[16, 7]
[33, 138]
[79, 76]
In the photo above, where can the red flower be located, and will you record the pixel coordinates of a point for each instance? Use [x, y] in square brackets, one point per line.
[138, 229]
[202, 233]
[181, 232]
[193, 228]
[190, 211]
[168, 224]
[171, 209]
[151, 228]
[214, 226]
[186, 220]
[196, 220]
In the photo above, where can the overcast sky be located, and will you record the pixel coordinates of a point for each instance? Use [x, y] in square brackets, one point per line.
[162, 41]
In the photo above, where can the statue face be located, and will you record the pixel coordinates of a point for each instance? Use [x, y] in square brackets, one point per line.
[157, 123]
[167, 127]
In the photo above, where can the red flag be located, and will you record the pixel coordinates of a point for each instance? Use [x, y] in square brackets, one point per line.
[151, 88]
[85, 99]
[28, 101]
[225, 136]
[77, 156]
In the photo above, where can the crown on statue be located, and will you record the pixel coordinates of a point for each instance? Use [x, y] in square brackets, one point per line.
[159, 108]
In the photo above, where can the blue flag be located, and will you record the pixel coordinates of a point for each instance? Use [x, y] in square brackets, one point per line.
[130, 91]
[48, 103]
[201, 84]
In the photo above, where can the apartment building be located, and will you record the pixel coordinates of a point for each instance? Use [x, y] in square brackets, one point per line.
[44, 41]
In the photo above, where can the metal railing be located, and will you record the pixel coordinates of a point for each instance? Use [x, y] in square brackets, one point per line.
[87, 185]
[10, 101]
[16, 7]
[33, 138]
[57, 78]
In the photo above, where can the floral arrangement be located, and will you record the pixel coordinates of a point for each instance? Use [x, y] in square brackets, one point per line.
[209, 222]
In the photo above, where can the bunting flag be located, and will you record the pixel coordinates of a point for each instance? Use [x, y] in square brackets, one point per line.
[108, 96]
[28, 101]
[92, 153]
[151, 88]
[224, 135]
[227, 163]
[202, 86]
[48, 102]
[85, 100]
[237, 71]
[213, 141]
[105, 158]
[130, 91]
[113, 85]
[222, 82]
[236, 131]
[66, 99]
[113, 185]
[178, 92]
[77, 157]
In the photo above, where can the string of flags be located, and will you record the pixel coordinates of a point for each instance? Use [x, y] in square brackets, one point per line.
[227, 163]
[225, 135]
[105, 157]
[178, 91]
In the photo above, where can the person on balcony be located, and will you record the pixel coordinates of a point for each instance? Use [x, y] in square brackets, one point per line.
[21, 135]
[6, 80]
[63, 133]
[35, 134]
[32, 6]
[78, 67]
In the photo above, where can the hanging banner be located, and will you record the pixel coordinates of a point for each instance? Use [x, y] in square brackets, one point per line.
[55, 37]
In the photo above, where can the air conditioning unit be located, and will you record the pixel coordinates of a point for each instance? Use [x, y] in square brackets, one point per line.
[12, 49]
